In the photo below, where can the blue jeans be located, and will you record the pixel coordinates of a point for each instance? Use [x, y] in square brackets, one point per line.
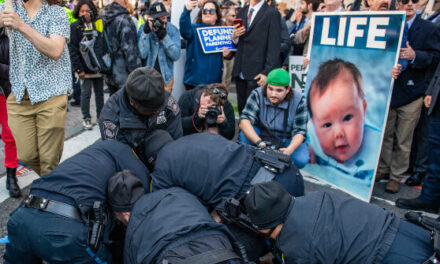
[36, 236]
[412, 244]
[431, 185]
[300, 157]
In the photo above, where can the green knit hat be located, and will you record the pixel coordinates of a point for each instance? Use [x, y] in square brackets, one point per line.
[278, 77]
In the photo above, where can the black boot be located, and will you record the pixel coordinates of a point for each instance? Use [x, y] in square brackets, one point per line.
[11, 183]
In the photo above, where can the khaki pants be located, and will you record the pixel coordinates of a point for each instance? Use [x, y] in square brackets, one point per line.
[228, 65]
[38, 131]
[401, 123]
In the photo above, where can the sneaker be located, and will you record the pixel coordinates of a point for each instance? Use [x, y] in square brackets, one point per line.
[87, 124]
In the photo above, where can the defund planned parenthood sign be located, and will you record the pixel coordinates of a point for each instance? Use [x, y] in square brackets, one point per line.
[214, 39]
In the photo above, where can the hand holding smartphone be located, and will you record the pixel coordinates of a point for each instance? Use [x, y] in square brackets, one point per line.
[191, 4]
[238, 22]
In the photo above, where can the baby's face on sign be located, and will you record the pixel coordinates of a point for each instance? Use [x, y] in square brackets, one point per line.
[338, 117]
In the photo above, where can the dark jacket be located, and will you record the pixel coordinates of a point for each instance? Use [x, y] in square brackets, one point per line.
[206, 164]
[118, 120]
[166, 219]
[191, 123]
[334, 228]
[424, 38]
[122, 35]
[200, 68]
[76, 35]
[83, 178]
[5, 85]
[258, 50]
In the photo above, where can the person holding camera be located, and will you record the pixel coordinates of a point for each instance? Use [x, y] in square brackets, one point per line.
[159, 42]
[276, 114]
[206, 108]
[87, 14]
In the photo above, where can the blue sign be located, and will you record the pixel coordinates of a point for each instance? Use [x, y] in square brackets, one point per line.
[349, 107]
[214, 39]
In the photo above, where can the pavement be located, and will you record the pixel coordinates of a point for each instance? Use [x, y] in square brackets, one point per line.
[77, 139]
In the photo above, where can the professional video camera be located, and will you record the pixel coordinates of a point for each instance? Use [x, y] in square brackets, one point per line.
[234, 213]
[272, 159]
[211, 116]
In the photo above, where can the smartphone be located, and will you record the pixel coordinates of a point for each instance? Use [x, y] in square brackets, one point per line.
[238, 21]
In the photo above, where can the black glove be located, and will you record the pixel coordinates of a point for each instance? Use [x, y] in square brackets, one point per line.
[161, 32]
[147, 28]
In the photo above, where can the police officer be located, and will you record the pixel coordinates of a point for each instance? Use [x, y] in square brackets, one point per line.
[138, 109]
[167, 226]
[54, 220]
[325, 227]
[210, 167]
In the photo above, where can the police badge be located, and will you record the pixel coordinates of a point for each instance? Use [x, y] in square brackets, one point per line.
[161, 118]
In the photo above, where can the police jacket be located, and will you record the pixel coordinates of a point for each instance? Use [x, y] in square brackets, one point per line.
[334, 228]
[166, 219]
[82, 179]
[120, 121]
[207, 165]
[191, 123]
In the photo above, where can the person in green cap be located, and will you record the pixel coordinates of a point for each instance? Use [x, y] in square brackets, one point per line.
[277, 115]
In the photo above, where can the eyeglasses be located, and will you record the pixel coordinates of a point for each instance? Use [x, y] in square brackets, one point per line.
[223, 95]
[404, 2]
[208, 11]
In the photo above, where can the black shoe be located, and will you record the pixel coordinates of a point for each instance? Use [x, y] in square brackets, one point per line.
[416, 204]
[415, 179]
[75, 104]
[11, 183]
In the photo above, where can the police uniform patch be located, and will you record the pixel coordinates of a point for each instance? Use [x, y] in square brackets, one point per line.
[161, 118]
[110, 129]
[173, 106]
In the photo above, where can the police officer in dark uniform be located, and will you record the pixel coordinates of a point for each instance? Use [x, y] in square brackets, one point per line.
[54, 221]
[211, 167]
[138, 109]
[323, 227]
[167, 226]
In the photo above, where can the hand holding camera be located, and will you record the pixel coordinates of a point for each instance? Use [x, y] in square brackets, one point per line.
[156, 25]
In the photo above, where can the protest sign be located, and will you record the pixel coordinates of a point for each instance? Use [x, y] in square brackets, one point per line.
[214, 39]
[348, 93]
[297, 73]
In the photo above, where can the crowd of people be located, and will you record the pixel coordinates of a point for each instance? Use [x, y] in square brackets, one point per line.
[160, 185]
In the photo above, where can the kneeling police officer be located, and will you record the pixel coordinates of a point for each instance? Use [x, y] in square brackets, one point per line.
[139, 108]
[212, 167]
[63, 218]
[323, 227]
[167, 226]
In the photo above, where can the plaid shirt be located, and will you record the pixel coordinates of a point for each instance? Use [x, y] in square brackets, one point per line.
[251, 112]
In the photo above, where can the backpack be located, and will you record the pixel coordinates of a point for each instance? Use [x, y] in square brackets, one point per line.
[94, 48]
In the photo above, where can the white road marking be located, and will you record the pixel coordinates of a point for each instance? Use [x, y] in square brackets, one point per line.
[71, 147]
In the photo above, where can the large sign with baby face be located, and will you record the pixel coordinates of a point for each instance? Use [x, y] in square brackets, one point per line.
[348, 91]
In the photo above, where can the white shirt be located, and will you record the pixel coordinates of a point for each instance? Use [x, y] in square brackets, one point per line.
[256, 8]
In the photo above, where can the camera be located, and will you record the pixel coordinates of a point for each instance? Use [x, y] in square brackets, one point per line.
[157, 23]
[211, 116]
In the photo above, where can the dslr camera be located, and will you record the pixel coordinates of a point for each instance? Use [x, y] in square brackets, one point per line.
[157, 23]
[211, 116]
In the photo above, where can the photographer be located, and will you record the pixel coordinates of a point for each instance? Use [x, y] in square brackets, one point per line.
[159, 42]
[87, 14]
[277, 114]
[206, 108]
